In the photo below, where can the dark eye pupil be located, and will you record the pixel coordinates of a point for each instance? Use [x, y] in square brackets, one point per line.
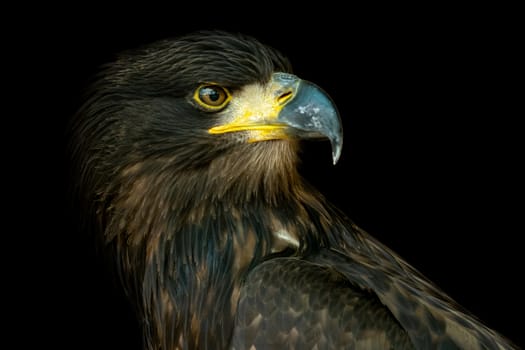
[211, 94]
[214, 95]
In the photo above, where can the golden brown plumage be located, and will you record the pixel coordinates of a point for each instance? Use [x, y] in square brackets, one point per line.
[186, 158]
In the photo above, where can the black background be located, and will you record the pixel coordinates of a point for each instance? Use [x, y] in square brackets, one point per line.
[431, 163]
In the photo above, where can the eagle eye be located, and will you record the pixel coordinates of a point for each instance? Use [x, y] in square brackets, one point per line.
[212, 97]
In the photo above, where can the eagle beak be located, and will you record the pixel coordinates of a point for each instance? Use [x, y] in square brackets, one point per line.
[310, 113]
[287, 107]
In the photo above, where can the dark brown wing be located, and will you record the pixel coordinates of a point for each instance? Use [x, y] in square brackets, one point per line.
[288, 303]
[431, 319]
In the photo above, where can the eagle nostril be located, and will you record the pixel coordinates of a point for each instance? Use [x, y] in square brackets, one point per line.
[284, 97]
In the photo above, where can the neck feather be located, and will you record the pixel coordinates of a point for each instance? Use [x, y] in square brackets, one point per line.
[184, 239]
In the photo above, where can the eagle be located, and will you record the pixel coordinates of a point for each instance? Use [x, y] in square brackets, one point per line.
[185, 158]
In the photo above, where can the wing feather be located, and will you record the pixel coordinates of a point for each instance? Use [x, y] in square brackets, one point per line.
[431, 318]
[289, 303]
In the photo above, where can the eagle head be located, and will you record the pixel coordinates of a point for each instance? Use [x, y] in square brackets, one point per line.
[185, 155]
